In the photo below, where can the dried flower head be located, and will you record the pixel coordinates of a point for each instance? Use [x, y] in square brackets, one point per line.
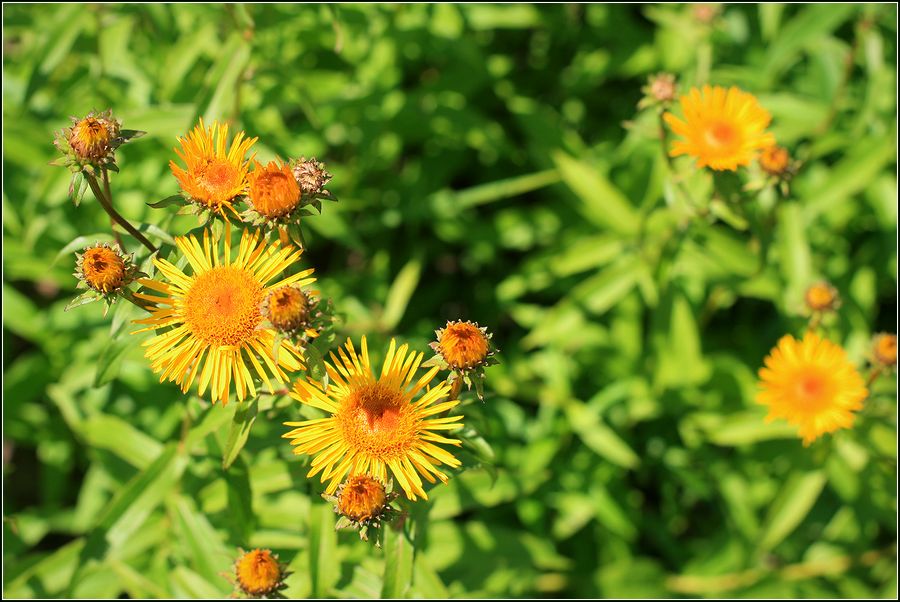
[822, 297]
[812, 385]
[723, 129]
[364, 503]
[775, 161]
[660, 90]
[291, 311]
[106, 270]
[311, 176]
[884, 349]
[259, 573]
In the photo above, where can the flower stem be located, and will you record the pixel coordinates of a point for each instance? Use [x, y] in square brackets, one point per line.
[107, 206]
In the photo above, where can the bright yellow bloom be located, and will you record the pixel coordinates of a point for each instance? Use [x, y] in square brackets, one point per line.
[214, 175]
[722, 128]
[374, 424]
[214, 316]
[273, 190]
[812, 385]
[361, 498]
[259, 573]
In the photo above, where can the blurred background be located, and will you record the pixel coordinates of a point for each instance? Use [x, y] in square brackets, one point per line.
[491, 165]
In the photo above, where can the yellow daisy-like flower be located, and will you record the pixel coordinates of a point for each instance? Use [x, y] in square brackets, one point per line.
[812, 385]
[375, 425]
[215, 174]
[259, 573]
[723, 129]
[214, 316]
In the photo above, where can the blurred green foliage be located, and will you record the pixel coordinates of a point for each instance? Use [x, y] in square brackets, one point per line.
[490, 165]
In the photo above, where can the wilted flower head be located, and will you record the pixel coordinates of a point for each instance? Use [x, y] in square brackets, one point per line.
[291, 311]
[884, 349]
[90, 144]
[363, 503]
[822, 297]
[311, 176]
[661, 89]
[259, 574]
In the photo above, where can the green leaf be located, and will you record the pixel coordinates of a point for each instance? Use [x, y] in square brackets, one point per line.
[83, 299]
[80, 243]
[200, 541]
[400, 293]
[110, 360]
[111, 433]
[244, 417]
[241, 519]
[601, 439]
[793, 503]
[796, 259]
[169, 201]
[604, 204]
[324, 569]
[399, 553]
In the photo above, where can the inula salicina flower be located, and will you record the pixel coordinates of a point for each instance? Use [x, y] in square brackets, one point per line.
[812, 385]
[215, 175]
[822, 297]
[363, 503]
[884, 349]
[376, 426]
[259, 574]
[213, 316]
[722, 129]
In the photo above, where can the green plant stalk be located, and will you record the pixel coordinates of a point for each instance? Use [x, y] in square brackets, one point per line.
[116, 217]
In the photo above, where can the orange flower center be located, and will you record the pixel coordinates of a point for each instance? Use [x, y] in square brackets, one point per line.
[258, 572]
[222, 306]
[722, 135]
[218, 179]
[89, 138]
[361, 498]
[463, 345]
[103, 269]
[376, 419]
[812, 389]
[274, 190]
[288, 308]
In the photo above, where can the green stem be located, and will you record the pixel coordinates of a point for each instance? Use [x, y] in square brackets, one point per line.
[107, 206]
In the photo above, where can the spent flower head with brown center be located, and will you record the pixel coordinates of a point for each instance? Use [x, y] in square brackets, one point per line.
[259, 574]
[363, 503]
[661, 90]
[89, 146]
[106, 270]
[821, 297]
[465, 348]
[884, 350]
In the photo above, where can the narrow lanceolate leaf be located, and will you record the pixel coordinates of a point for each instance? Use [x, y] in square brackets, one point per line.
[400, 293]
[602, 203]
[791, 506]
[82, 299]
[175, 199]
[399, 554]
[324, 569]
[244, 417]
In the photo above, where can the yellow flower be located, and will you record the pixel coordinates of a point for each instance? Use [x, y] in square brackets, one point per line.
[214, 175]
[463, 345]
[375, 426]
[812, 385]
[259, 573]
[273, 190]
[361, 498]
[722, 129]
[214, 316]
